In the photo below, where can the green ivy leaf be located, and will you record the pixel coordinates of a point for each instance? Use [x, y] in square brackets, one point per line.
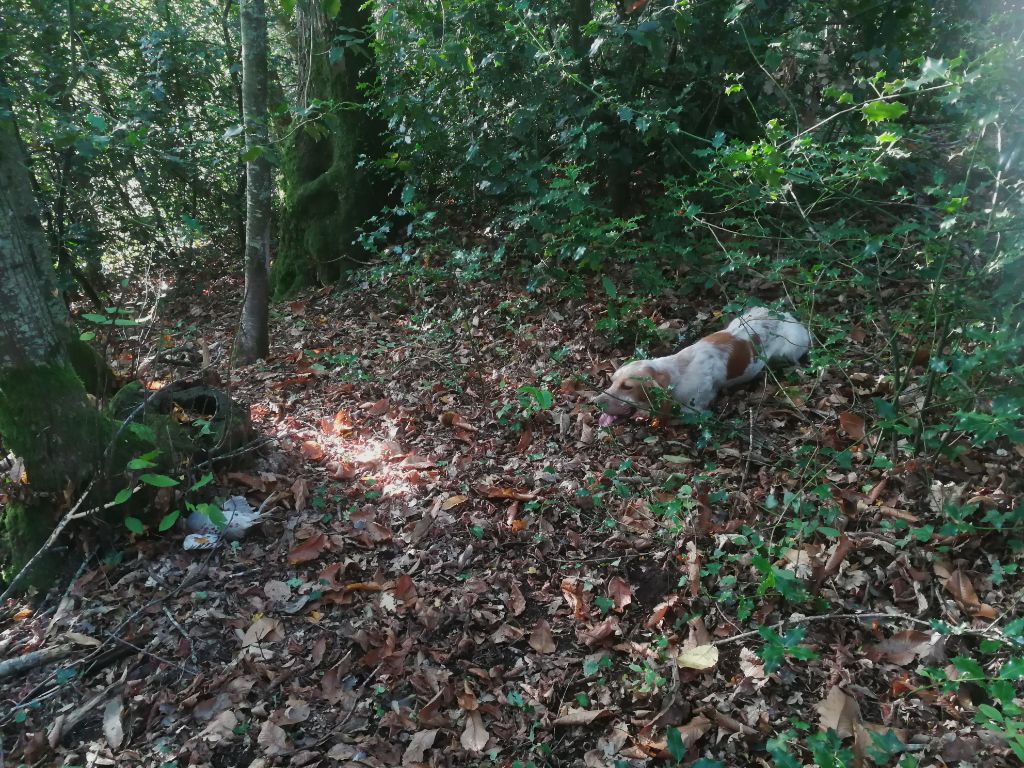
[123, 495]
[969, 667]
[140, 463]
[676, 745]
[990, 713]
[214, 513]
[169, 520]
[134, 525]
[97, 122]
[98, 319]
[604, 604]
[1012, 669]
[158, 481]
[881, 111]
[87, 336]
[204, 480]
[143, 431]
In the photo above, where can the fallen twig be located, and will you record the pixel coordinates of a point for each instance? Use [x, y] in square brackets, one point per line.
[34, 659]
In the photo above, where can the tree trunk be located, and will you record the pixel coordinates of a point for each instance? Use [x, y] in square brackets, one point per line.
[253, 337]
[231, 59]
[45, 415]
[329, 194]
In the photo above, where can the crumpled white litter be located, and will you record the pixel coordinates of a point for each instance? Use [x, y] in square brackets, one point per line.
[239, 515]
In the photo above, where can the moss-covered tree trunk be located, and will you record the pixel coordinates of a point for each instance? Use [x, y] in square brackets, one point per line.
[45, 415]
[328, 193]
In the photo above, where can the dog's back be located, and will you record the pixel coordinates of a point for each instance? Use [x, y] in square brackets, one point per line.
[776, 335]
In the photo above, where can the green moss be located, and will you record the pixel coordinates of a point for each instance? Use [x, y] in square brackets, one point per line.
[126, 400]
[91, 368]
[23, 531]
[327, 197]
[46, 418]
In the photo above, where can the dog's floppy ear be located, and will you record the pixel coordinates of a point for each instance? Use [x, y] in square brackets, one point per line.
[660, 378]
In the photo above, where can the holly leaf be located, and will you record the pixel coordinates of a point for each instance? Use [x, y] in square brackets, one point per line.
[882, 111]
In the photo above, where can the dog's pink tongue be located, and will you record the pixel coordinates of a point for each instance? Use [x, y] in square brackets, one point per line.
[606, 420]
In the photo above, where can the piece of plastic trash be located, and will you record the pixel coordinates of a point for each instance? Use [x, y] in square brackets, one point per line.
[201, 541]
[239, 517]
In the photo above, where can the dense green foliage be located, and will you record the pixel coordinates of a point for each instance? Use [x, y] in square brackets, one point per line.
[845, 154]
[124, 110]
[858, 163]
[864, 153]
[863, 156]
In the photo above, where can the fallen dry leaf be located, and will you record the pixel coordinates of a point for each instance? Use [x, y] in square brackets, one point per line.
[262, 629]
[497, 492]
[581, 716]
[113, 728]
[474, 735]
[620, 591]
[454, 501]
[852, 424]
[692, 731]
[421, 741]
[308, 550]
[839, 712]
[902, 648]
[405, 590]
[312, 450]
[700, 657]
[273, 740]
[540, 638]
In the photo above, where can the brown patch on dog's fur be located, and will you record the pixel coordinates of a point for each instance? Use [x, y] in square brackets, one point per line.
[741, 352]
[644, 381]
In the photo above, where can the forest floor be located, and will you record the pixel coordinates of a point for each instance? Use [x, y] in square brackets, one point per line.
[456, 571]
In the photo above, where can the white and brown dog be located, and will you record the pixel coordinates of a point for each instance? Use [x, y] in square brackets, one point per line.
[695, 375]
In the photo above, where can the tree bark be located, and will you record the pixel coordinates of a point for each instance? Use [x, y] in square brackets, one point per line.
[253, 340]
[45, 415]
[231, 59]
[329, 194]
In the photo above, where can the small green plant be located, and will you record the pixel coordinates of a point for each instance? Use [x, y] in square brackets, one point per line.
[649, 678]
[347, 364]
[529, 402]
[625, 321]
[778, 647]
[110, 316]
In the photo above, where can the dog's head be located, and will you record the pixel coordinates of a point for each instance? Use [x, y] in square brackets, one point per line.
[632, 389]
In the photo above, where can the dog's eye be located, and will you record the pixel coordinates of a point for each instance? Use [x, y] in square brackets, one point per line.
[627, 385]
